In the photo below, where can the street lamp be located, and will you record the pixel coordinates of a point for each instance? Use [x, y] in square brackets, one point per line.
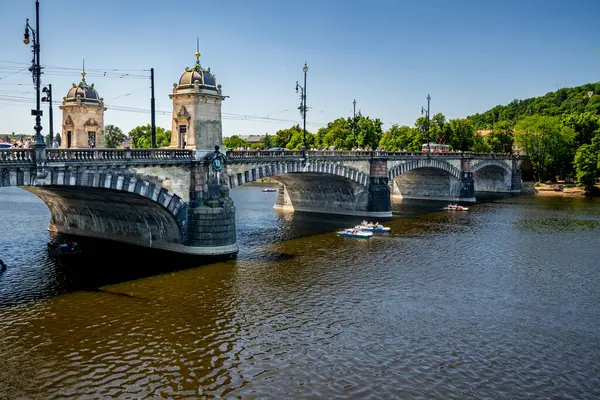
[36, 71]
[427, 115]
[354, 125]
[302, 107]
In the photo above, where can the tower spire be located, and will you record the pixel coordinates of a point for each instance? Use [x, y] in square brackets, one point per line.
[83, 71]
[197, 52]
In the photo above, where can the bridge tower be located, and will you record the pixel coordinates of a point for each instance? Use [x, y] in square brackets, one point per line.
[82, 117]
[197, 102]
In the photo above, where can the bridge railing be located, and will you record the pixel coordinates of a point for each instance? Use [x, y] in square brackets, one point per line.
[233, 155]
[264, 154]
[117, 155]
[16, 156]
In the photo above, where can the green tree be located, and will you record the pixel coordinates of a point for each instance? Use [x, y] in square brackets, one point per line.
[587, 164]
[577, 100]
[297, 141]
[480, 145]
[501, 138]
[399, 138]
[283, 136]
[233, 142]
[368, 133]
[337, 133]
[438, 129]
[266, 142]
[141, 137]
[113, 136]
[461, 134]
[584, 124]
[548, 144]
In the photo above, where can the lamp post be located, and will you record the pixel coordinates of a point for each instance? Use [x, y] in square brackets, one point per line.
[48, 98]
[302, 107]
[354, 124]
[36, 71]
[427, 115]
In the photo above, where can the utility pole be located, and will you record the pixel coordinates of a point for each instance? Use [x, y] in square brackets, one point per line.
[36, 71]
[427, 125]
[152, 108]
[354, 124]
[305, 69]
[48, 98]
[303, 108]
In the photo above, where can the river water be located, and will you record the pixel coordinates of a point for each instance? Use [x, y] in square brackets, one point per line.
[502, 301]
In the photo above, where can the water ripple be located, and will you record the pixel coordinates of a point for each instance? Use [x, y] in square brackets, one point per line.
[499, 302]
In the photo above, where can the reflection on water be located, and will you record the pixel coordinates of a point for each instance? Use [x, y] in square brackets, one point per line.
[498, 302]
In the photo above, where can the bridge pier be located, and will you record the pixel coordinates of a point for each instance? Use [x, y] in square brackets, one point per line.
[210, 223]
[467, 183]
[516, 177]
[380, 198]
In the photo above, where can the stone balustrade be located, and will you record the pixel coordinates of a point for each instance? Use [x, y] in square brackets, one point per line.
[90, 155]
[261, 154]
[16, 156]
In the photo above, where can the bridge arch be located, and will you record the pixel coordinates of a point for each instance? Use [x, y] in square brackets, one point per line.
[93, 203]
[492, 175]
[423, 163]
[480, 164]
[426, 179]
[254, 172]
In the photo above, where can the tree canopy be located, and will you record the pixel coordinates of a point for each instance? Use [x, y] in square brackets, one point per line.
[113, 136]
[141, 137]
[577, 100]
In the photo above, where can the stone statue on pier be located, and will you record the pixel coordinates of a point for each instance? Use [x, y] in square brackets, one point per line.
[217, 188]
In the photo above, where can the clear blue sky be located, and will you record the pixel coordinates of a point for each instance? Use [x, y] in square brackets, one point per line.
[470, 55]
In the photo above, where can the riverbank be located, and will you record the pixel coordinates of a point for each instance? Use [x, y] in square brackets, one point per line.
[560, 189]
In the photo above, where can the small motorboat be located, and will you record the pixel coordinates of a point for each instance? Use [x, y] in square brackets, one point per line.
[269, 190]
[372, 227]
[455, 207]
[355, 233]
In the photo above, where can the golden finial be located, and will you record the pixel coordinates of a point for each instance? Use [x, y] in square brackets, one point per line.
[83, 71]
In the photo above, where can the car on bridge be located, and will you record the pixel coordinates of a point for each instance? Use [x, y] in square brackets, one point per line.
[5, 146]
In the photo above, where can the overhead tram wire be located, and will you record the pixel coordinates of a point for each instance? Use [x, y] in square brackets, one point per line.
[226, 116]
[119, 73]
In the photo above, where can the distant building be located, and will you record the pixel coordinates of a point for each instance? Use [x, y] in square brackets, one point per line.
[484, 132]
[82, 117]
[252, 139]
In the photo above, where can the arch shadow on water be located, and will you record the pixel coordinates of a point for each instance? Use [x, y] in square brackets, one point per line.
[99, 263]
[103, 262]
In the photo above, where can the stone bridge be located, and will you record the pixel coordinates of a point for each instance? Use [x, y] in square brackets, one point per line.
[168, 199]
[361, 183]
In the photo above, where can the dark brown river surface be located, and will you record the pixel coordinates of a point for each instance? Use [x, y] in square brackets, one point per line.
[502, 301]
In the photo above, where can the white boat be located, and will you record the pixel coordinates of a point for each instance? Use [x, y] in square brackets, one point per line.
[372, 227]
[455, 207]
[269, 190]
[355, 233]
